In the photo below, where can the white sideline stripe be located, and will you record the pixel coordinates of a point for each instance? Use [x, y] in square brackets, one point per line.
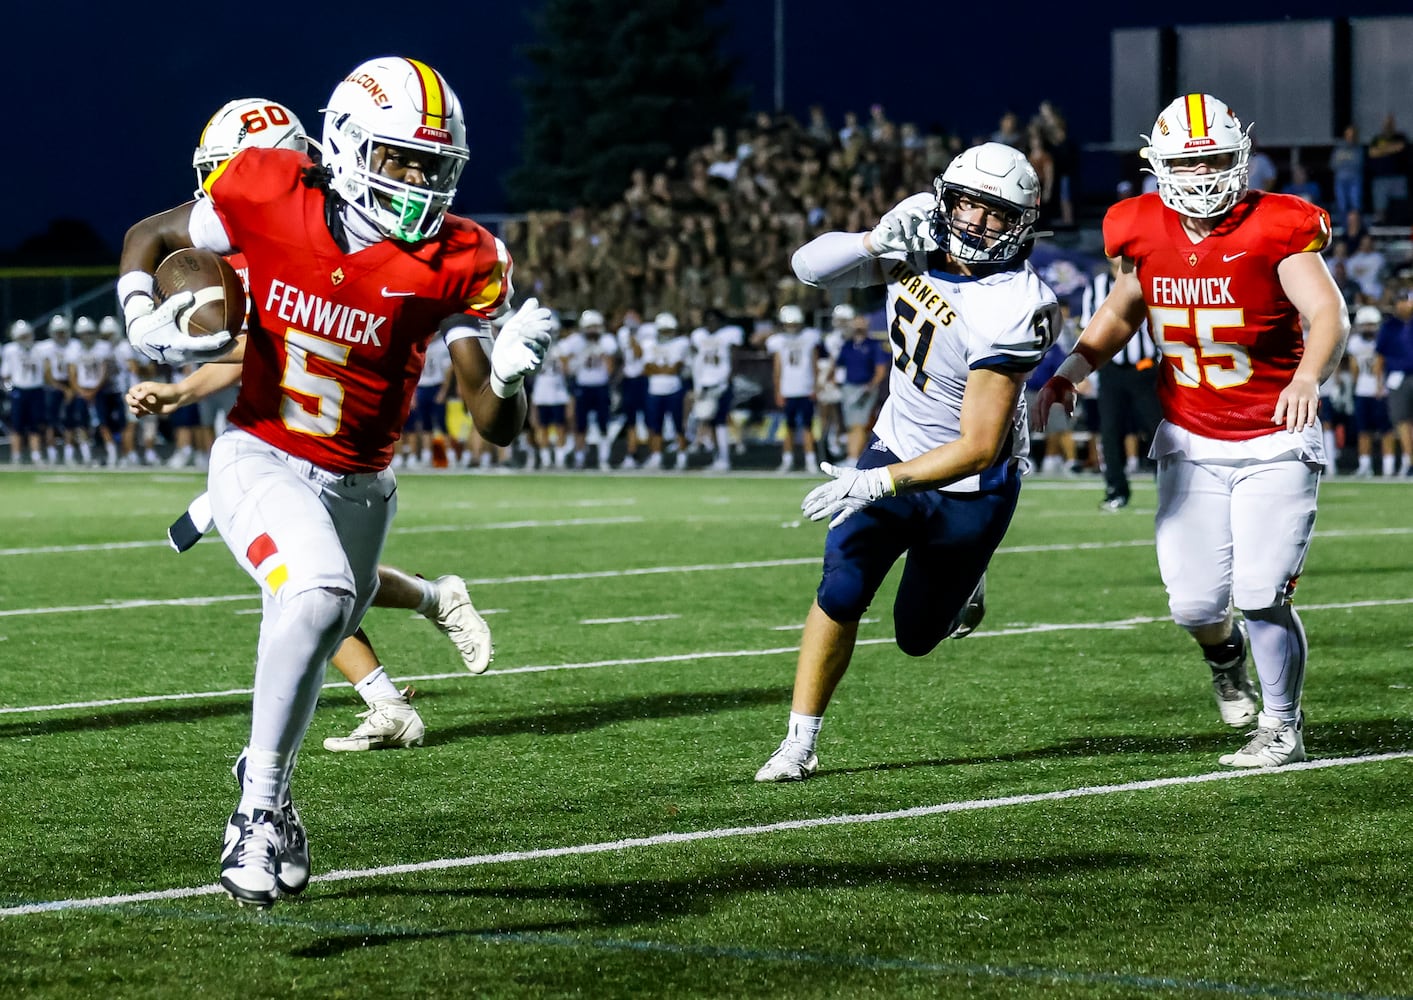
[724, 833]
[626, 621]
[594, 521]
[1122, 623]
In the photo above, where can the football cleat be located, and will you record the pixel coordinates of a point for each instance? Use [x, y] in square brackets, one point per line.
[1273, 743]
[388, 725]
[791, 762]
[1231, 686]
[457, 617]
[292, 862]
[973, 612]
[248, 859]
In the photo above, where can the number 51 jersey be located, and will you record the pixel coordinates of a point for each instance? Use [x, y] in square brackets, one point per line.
[942, 327]
[338, 340]
[1230, 337]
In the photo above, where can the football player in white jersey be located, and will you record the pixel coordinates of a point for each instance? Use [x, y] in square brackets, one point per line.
[1366, 366]
[58, 396]
[590, 354]
[90, 362]
[22, 371]
[427, 421]
[665, 358]
[549, 396]
[712, 347]
[795, 350]
[969, 318]
[634, 337]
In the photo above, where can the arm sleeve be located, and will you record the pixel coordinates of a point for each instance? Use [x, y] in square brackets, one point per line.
[837, 260]
[459, 326]
[206, 229]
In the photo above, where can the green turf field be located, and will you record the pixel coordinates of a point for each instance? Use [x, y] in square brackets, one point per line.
[1036, 808]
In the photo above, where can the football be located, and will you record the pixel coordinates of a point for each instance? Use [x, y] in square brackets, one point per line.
[220, 297]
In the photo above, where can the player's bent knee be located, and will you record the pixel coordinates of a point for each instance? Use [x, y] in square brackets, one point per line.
[1252, 600]
[323, 609]
[915, 641]
[1196, 614]
[841, 596]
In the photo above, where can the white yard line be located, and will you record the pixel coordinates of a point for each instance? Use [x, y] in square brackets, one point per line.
[1041, 627]
[720, 833]
[628, 621]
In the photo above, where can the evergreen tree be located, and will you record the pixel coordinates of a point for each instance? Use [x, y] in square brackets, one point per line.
[618, 84]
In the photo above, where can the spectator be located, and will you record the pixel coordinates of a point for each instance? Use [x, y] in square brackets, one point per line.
[1008, 130]
[1301, 185]
[1347, 166]
[1395, 345]
[1367, 266]
[1262, 171]
[1387, 167]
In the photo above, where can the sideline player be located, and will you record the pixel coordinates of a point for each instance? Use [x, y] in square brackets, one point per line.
[22, 371]
[390, 721]
[353, 266]
[1223, 275]
[969, 318]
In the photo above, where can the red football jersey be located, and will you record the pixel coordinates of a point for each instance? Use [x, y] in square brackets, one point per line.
[337, 340]
[1231, 339]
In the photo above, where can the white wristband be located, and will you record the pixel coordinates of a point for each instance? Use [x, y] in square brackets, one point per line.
[135, 283]
[505, 390]
[1075, 369]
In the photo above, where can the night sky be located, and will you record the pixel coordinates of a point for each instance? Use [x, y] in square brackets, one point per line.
[105, 108]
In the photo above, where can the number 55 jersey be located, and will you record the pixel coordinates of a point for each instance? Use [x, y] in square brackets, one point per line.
[1230, 337]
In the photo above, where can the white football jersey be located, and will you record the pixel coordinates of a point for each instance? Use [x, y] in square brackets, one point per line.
[797, 352]
[642, 336]
[551, 386]
[92, 364]
[711, 357]
[673, 352]
[437, 365]
[941, 326]
[125, 356]
[53, 359]
[589, 357]
[1361, 349]
[22, 366]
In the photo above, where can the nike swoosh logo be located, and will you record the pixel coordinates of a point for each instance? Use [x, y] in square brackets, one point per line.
[394, 295]
[1227, 258]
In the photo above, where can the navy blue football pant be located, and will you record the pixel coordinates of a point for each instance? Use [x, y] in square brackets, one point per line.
[948, 538]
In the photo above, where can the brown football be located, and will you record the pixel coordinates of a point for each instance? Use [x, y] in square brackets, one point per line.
[220, 297]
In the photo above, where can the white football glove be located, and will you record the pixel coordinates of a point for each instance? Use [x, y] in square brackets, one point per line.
[851, 490]
[519, 349]
[905, 228]
[153, 330]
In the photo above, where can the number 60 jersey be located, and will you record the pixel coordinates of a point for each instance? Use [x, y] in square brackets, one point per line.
[1230, 337]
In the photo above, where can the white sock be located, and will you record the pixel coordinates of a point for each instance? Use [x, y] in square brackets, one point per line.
[377, 686]
[264, 781]
[427, 606]
[723, 441]
[804, 729]
[1388, 461]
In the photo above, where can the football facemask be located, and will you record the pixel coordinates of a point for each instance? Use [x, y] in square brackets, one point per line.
[1198, 152]
[393, 110]
[1000, 180]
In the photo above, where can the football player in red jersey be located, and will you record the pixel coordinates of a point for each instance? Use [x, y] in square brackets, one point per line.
[390, 721]
[353, 266]
[1224, 276]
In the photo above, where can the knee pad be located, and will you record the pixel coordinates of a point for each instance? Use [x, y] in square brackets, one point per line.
[841, 594]
[322, 608]
[1254, 594]
[1190, 614]
[1279, 614]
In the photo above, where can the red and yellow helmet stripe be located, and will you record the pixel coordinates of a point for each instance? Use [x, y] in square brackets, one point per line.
[1197, 115]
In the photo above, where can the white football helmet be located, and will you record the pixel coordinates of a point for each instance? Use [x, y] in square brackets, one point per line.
[58, 328]
[1002, 179]
[1368, 316]
[108, 327]
[843, 313]
[21, 332]
[591, 319]
[395, 107]
[665, 321]
[85, 327]
[1196, 131]
[249, 121]
[791, 315]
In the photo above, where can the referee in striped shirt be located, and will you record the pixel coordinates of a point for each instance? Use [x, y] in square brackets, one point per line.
[1128, 394]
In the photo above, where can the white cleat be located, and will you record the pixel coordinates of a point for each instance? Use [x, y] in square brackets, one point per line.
[388, 725]
[1231, 686]
[1274, 743]
[791, 762]
[248, 858]
[458, 618]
